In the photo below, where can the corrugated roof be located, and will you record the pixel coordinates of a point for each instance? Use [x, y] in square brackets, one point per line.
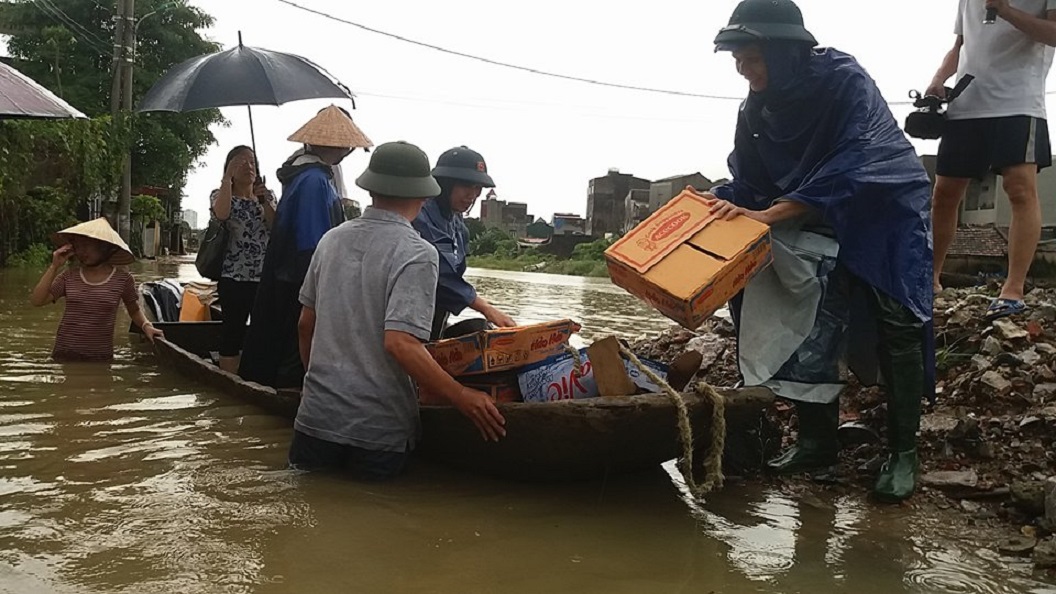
[22, 97]
[979, 241]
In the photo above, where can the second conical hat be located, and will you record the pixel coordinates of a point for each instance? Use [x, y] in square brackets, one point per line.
[98, 229]
[331, 127]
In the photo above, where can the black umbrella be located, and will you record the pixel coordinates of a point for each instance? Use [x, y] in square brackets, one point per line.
[241, 76]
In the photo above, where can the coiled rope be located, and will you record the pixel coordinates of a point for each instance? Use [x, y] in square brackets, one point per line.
[713, 477]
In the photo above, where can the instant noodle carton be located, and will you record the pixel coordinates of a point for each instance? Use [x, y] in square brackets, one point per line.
[502, 387]
[501, 349]
[687, 263]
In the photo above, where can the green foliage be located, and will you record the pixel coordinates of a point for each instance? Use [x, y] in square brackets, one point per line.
[476, 228]
[593, 251]
[49, 170]
[147, 209]
[495, 249]
[493, 242]
[83, 158]
[37, 255]
[531, 261]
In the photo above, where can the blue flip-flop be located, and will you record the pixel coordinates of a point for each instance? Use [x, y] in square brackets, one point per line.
[1002, 308]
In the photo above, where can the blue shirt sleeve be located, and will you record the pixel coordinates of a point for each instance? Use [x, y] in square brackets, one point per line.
[453, 293]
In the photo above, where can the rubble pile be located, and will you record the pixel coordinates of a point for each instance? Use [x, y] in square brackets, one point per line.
[986, 444]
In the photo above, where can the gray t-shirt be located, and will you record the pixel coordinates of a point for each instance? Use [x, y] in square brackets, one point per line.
[368, 275]
[1009, 68]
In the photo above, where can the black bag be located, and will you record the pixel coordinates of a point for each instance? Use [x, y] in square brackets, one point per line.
[211, 253]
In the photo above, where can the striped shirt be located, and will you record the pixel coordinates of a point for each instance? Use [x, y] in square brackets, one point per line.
[86, 332]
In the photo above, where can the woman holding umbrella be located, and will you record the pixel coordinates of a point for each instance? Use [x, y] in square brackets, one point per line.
[308, 209]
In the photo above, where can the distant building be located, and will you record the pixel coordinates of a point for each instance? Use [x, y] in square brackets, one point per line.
[636, 208]
[639, 204]
[190, 217]
[606, 201]
[511, 217]
[569, 224]
[540, 229]
[663, 190]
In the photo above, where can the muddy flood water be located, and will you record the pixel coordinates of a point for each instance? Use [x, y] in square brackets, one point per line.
[132, 479]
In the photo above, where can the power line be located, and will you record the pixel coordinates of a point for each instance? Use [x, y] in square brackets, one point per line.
[530, 69]
[507, 64]
[68, 25]
[497, 105]
[73, 23]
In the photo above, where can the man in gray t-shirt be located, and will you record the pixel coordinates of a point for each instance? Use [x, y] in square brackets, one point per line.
[998, 124]
[367, 307]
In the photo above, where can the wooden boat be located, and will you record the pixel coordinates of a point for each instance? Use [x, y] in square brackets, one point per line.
[574, 439]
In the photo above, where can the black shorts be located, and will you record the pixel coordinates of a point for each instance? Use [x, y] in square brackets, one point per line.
[972, 148]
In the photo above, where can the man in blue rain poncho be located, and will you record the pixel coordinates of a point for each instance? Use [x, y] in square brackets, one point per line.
[462, 174]
[819, 157]
[309, 207]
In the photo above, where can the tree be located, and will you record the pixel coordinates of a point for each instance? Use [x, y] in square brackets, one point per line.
[493, 241]
[66, 45]
[476, 228]
[48, 173]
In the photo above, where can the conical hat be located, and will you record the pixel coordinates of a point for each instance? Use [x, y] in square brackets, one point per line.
[98, 229]
[331, 127]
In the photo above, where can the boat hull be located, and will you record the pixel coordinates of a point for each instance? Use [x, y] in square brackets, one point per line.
[567, 440]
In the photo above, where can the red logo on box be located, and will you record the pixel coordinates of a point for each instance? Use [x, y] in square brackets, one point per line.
[670, 225]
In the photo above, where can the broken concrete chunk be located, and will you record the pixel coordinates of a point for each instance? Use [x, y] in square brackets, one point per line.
[1009, 330]
[951, 479]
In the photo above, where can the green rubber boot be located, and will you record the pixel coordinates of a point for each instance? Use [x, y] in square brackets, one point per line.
[902, 364]
[817, 446]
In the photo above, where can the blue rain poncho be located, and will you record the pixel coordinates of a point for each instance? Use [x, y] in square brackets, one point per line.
[826, 137]
[822, 134]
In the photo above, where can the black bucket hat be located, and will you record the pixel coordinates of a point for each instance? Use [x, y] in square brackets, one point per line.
[764, 20]
[464, 164]
[399, 170]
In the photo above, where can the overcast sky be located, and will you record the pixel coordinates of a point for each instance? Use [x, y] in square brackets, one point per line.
[543, 138]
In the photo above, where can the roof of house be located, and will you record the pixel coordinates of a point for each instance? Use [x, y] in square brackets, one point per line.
[678, 177]
[979, 241]
[22, 97]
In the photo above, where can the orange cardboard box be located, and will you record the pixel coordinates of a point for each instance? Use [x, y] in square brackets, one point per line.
[501, 349]
[685, 262]
[502, 387]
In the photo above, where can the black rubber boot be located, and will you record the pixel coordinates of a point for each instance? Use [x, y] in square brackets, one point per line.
[902, 364]
[817, 446]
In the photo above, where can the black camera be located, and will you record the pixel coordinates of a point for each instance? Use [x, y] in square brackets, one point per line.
[929, 120]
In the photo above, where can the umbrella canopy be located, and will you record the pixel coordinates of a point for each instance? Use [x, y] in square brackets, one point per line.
[240, 76]
[23, 97]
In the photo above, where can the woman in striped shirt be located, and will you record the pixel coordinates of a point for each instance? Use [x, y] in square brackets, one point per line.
[93, 291]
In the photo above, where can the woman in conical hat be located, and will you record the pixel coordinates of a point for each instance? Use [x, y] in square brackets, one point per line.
[93, 291]
[309, 207]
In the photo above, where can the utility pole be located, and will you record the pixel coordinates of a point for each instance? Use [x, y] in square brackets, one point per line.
[121, 98]
[119, 40]
[124, 203]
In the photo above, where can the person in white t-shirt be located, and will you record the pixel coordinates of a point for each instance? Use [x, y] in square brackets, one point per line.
[997, 124]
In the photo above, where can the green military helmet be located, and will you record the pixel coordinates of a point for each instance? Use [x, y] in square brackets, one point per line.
[399, 170]
[764, 20]
[465, 165]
